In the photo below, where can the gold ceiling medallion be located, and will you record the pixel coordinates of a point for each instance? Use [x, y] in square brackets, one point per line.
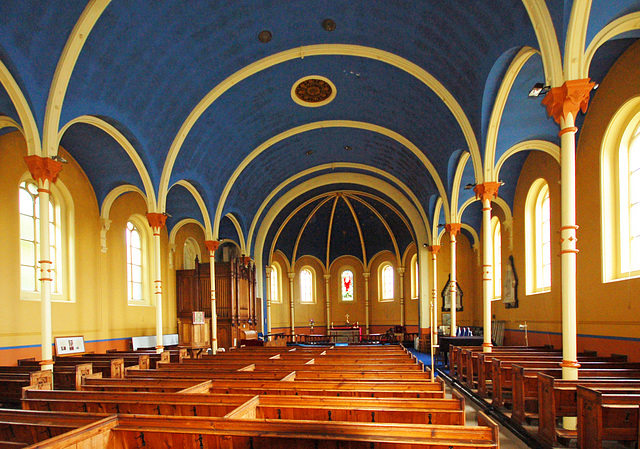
[313, 91]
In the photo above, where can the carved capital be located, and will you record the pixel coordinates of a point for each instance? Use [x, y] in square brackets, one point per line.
[569, 98]
[453, 228]
[487, 191]
[212, 245]
[327, 277]
[156, 220]
[43, 168]
[401, 271]
[268, 269]
[434, 249]
[366, 275]
[292, 275]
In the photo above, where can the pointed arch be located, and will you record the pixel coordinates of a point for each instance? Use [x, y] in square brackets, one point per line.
[540, 145]
[547, 39]
[150, 194]
[619, 26]
[62, 75]
[201, 205]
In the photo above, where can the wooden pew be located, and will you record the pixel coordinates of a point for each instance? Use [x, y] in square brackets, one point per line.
[12, 385]
[525, 385]
[127, 432]
[607, 415]
[558, 399]
[477, 363]
[19, 428]
[419, 411]
[502, 373]
[457, 368]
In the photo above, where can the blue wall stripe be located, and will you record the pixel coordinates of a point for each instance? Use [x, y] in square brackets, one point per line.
[604, 337]
[38, 346]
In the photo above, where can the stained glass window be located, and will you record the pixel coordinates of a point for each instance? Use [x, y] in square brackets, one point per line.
[347, 285]
[134, 263]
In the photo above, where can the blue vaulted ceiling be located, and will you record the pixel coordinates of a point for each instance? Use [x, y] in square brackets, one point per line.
[416, 83]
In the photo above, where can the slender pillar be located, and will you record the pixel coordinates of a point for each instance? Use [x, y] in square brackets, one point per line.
[453, 229]
[157, 222]
[366, 300]
[401, 274]
[292, 276]
[486, 192]
[433, 249]
[45, 172]
[269, 272]
[327, 278]
[563, 104]
[212, 246]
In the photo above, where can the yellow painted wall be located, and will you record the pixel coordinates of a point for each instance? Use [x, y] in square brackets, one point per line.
[100, 312]
[467, 275]
[604, 309]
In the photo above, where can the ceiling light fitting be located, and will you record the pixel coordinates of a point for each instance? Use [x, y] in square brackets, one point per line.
[538, 89]
[469, 186]
[264, 36]
[59, 158]
[308, 152]
[328, 24]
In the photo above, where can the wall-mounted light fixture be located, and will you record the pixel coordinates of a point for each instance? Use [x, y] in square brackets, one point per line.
[538, 89]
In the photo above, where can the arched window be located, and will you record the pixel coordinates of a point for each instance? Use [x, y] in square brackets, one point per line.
[629, 204]
[275, 279]
[386, 282]
[347, 285]
[190, 251]
[134, 263]
[307, 285]
[415, 276]
[538, 238]
[497, 257]
[60, 243]
[620, 192]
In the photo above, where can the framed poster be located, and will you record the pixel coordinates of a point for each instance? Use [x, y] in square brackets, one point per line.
[510, 286]
[69, 345]
[198, 317]
[446, 296]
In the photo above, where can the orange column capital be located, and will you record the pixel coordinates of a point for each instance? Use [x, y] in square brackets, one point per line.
[43, 168]
[434, 249]
[487, 191]
[453, 228]
[569, 98]
[156, 220]
[212, 245]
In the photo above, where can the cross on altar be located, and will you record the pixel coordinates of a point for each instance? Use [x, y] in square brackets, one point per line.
[347, 317]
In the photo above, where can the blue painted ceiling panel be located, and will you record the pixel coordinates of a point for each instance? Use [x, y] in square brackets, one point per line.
[105, 162]
[181, 205]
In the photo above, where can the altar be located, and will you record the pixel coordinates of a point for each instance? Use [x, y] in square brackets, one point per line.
[346, 334]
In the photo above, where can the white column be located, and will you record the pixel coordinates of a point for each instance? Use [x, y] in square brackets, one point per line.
[453, 229]
[45, 172]
[292, 276]
[434, 294]
[327, 278]
[268, 273]
[563, 104]
[485, 192]
[157, 222]
[366, 276]
[401, 274]
[212, 246]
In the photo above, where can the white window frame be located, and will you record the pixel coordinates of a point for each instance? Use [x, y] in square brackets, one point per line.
[415, 277]
[65, 254]
[381, 282]
[538, 250]
[496, 234]
[620, 135]
[276, 283]
[312, 299]
[143, 228]
[190, 246]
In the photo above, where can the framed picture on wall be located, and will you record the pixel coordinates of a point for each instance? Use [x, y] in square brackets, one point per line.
[510, 286]
[446, 296]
